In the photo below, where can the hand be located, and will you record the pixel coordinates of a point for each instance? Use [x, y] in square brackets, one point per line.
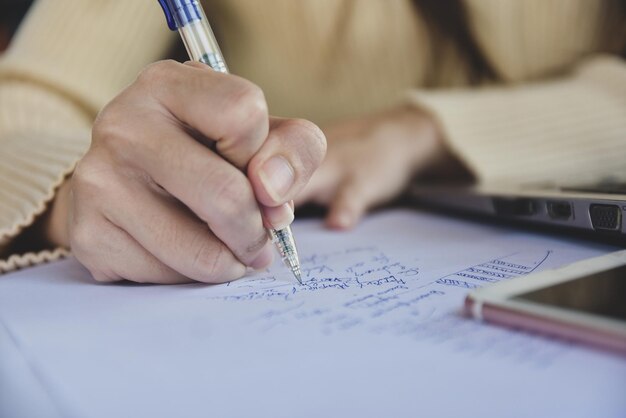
[371, 160]
[151, 202]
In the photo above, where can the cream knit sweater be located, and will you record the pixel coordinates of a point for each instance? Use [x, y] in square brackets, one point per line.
[560, 112]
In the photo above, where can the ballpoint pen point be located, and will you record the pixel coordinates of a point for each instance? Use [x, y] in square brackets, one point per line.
[298, 276]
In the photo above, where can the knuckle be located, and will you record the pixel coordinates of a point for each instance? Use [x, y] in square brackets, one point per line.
[104, 122]
[81, 240]
[158, 72]
[111, 131]
[117, 131]
[88, 175]
[247, 105]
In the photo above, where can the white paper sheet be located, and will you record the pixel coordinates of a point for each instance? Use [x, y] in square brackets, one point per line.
[374, 331]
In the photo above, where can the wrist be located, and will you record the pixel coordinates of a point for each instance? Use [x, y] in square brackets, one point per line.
[430, 155]
[421, 134]
[53, 224]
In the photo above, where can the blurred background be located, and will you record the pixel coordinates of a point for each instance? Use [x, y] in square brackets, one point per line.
[11, 13]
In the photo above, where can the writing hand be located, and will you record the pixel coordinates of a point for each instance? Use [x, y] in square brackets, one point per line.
[151, 202]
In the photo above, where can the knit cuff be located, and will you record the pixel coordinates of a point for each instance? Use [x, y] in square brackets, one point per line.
[42, 136]
[563, 130]
[18, 261]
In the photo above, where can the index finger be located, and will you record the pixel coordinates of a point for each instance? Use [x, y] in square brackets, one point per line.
[222, 107]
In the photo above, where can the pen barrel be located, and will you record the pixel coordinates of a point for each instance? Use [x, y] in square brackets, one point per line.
[283, 238]
[201, 44]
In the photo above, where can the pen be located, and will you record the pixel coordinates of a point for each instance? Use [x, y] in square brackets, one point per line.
[188, 18]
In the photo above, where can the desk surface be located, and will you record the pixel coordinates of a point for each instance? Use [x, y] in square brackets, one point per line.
[374, 331]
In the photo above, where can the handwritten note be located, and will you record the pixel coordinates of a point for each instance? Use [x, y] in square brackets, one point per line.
[374, 330]
[364, 287]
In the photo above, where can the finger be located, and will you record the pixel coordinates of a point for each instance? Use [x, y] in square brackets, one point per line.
[223, 107]
[278, 217]
[110, 254]
[355, 195]
[347, 206]
[323, 185]
[179, 239]
[216, 191]
[284, 164]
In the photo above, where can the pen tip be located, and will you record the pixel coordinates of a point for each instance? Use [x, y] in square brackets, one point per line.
[298, 275]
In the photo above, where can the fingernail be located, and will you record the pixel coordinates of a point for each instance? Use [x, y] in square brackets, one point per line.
[264, 259]
[277, 177]
[280, 216]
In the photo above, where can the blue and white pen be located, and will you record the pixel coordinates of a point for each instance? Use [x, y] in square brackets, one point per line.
[188, 18]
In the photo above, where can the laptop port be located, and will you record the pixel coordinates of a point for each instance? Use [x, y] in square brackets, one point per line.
[605, 217]
[514, 206]
[559, 210]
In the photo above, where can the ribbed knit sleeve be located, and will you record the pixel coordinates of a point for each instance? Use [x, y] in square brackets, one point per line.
[41, 138]
[89, 49]
[571, 129]
[68, 59]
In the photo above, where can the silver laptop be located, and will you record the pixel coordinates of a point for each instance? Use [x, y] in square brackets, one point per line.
[597, 208]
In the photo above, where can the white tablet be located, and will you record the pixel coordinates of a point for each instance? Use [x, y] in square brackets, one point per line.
[584, 301]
